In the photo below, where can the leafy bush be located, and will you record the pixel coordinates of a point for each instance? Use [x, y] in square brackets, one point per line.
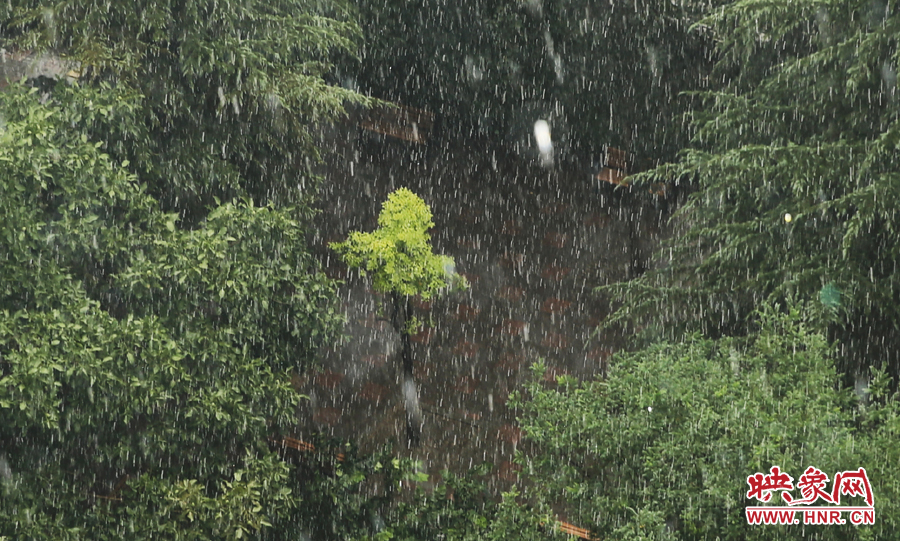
[662, 448]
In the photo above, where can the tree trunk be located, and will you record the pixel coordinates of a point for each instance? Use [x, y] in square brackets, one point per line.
[414, 420]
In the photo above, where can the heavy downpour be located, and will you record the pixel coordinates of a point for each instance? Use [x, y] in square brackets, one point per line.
[430, 270]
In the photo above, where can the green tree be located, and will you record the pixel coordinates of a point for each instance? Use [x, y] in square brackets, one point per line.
[662, 448]
[134, 408]
[461, 509]
[399, 256]
[156, 290]
[221, 100]
[794, 161]
[153, 422]
[229, 90]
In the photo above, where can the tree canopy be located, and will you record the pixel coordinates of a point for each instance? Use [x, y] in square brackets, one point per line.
[228, 90]
[92, 400]
[662, 448]
[794, 164]
[398, 254]
[156, 290]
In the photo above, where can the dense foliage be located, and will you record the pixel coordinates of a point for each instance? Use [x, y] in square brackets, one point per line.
[228, 90]
[461, 509]
[662, 448]
[90, 400]
[156, 290]
[208, 103]
[794, 161]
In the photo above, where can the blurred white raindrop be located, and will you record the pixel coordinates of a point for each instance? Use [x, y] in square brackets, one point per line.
[889, 75]
[411, 400]
[544, 142]
[474, 69]
[5, 470]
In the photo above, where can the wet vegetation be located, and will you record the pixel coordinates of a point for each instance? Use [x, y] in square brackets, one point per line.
[161, 300]
[399, 257]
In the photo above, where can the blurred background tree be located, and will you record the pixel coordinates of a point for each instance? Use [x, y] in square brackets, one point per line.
[600, 74]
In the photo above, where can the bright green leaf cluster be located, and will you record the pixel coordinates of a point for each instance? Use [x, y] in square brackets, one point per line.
[398, 254]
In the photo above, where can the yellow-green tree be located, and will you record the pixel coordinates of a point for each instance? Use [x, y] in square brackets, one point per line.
[399, 256]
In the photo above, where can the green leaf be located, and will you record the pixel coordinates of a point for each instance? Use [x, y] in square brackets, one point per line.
[830, 296]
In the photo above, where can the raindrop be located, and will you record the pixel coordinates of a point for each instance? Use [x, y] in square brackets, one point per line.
[544, 142]
[861, 387]
[411, 401]
[474, 70]
[5, 470]
[889, 75]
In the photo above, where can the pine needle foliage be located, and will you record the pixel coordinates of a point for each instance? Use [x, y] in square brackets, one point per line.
[794, 164]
